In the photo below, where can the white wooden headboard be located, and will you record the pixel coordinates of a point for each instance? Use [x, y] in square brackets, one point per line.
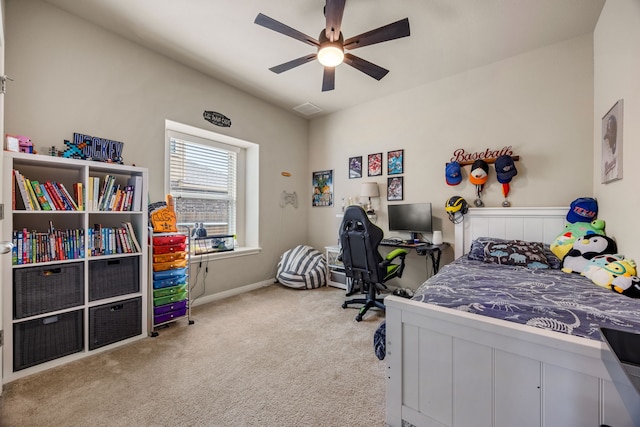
[535, 224]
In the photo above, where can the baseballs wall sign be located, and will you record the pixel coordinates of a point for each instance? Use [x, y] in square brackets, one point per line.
[217, 119]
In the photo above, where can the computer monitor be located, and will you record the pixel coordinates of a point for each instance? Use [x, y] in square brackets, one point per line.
[412, 217]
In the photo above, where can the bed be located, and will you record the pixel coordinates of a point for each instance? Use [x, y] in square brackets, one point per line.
[461, 365]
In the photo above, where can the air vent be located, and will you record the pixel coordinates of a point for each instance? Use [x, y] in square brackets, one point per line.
[307, 109]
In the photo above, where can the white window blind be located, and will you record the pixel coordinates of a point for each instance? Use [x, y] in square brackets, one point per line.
[203, 182]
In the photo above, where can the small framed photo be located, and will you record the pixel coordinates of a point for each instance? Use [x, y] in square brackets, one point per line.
[395, 162]
[612, 143]
[355, 167]
[395, 188]
[375, 164]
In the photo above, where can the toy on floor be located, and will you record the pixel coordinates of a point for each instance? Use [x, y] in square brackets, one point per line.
[584, 249]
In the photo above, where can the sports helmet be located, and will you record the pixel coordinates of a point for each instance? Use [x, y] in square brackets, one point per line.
[456, 208]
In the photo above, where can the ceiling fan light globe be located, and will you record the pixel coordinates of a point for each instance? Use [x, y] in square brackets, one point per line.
[330, 56]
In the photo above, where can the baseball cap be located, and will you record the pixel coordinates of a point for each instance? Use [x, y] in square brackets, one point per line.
[453, 174]
[583, 209]
[479, 172]
[505, 169]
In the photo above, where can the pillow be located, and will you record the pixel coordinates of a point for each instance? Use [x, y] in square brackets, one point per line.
[477, 251]
[516, 252]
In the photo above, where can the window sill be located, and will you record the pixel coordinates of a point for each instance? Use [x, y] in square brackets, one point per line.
[242, 251]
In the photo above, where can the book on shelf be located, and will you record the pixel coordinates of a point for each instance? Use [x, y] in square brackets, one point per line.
[106, 192]
[54, 194]
[22, 189]
[48, 197]
[131, 234]
[93, 193]
[78, 192]
[32, 195]
[66, 196]
[42, 200]
[136, 183]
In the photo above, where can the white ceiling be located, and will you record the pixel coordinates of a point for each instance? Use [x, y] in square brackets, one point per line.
[219, 38]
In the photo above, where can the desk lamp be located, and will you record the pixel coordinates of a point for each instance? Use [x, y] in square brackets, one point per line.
[369, 190]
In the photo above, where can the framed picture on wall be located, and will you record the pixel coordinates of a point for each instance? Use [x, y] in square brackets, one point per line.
[612, 143]
[395, 162]
[395, 188]
[374, 164]
[355, 167]
[322, 183]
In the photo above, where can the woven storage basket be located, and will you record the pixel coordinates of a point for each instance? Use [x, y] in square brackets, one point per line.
[113, 277]
[109, 323]
[40, 340]
[39, 290]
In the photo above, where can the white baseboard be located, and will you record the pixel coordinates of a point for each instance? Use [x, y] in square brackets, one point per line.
[231, 292]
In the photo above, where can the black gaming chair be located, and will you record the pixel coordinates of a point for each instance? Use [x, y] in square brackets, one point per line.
[363, 265]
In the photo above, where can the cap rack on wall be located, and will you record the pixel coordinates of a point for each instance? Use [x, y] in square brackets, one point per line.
[489, 161]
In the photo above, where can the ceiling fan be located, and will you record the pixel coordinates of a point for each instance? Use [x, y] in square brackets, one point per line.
[331, 44]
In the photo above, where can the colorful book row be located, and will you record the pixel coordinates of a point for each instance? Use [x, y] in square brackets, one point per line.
[108, 240]
[111, 196]
[47, 196]
[54, 196]
[30, 247]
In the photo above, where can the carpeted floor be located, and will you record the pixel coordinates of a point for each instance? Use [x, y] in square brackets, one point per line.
[271, 357]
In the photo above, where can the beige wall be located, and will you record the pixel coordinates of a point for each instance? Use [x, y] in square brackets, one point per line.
[540, 103]
[71, 76]
[617, 76]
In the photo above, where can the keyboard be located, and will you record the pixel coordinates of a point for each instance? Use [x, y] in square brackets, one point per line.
[400, 242]
[392, 242]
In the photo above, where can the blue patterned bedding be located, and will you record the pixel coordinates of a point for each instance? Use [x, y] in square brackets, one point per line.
[547, 299]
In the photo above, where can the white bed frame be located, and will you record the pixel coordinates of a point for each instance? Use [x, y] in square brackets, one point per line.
[451, 368]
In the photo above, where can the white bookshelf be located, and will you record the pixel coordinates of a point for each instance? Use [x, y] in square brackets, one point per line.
[102, 291]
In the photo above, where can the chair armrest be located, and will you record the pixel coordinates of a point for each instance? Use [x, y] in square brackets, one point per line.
[396, 268]
[398, 252]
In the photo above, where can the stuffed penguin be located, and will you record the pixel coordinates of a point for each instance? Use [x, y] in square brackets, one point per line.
[627, 285]
[585, 249]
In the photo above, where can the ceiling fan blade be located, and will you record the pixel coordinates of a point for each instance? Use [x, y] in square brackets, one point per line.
[365, 66]
[391, 31]
[333, 12]
[329, 79]
[292, 64]
[281, 28]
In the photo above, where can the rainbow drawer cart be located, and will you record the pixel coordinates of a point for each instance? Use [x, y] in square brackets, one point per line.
[169, 279]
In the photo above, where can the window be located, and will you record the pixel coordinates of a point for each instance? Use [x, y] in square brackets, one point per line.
[208, 177]
[202, 181]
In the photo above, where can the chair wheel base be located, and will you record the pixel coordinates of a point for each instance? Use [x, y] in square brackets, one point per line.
[358, 318]
[344, 305]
